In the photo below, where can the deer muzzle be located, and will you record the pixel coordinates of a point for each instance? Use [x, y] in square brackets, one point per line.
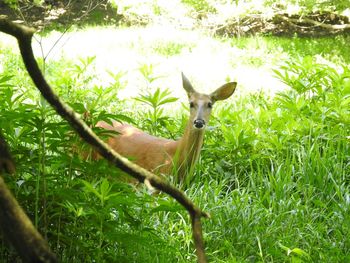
[199, 124]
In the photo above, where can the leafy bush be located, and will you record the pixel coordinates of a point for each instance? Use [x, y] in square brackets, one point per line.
[95, 216]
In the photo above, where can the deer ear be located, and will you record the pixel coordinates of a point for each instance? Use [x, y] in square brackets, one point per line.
[224, 92]
[187, 85]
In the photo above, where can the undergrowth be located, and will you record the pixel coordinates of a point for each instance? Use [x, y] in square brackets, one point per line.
[274, 171]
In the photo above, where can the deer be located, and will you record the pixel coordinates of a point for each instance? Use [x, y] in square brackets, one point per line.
[165, 156]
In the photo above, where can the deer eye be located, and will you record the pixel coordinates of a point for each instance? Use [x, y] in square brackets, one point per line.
[210, 105]
[191, 104]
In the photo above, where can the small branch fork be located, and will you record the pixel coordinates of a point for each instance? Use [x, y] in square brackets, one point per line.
[24, 36]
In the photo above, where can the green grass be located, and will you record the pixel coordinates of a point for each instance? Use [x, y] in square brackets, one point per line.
[274, 171]
[270, 49]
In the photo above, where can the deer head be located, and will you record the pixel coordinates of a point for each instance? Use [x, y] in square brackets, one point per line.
[202, 104]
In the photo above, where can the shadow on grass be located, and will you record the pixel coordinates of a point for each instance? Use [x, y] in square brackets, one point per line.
[60, 15]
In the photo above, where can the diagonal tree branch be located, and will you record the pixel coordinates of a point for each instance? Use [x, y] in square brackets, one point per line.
[24, 37]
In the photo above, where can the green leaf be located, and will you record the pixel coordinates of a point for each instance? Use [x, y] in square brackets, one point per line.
[4, 79]
[105, 188]
[89, 188]
[300, 252]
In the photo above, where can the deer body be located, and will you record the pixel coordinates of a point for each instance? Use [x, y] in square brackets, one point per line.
[150, 152]
[164, 156]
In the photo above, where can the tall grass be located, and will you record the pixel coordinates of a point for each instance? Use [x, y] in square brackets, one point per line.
[285, 166]
[274, 171]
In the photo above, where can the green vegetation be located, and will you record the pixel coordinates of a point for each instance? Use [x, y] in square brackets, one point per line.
[261, 50]
[274, 171]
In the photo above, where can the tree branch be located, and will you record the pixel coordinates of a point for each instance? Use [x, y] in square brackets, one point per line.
[24, 36]
[314, 23]
[6, 163]
[14, 223]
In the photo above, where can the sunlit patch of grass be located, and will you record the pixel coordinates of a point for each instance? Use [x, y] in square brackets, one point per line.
[171, 48]
[331, 48]
[205, 60]
[270, 49]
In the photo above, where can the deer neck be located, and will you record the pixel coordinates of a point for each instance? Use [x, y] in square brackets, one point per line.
[188, 149]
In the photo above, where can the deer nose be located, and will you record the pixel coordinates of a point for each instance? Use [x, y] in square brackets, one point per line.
[199, 124]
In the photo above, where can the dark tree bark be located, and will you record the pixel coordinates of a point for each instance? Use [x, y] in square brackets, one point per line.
[6, 163]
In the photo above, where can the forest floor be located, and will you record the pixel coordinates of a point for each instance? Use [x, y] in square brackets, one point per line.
[100, 12]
